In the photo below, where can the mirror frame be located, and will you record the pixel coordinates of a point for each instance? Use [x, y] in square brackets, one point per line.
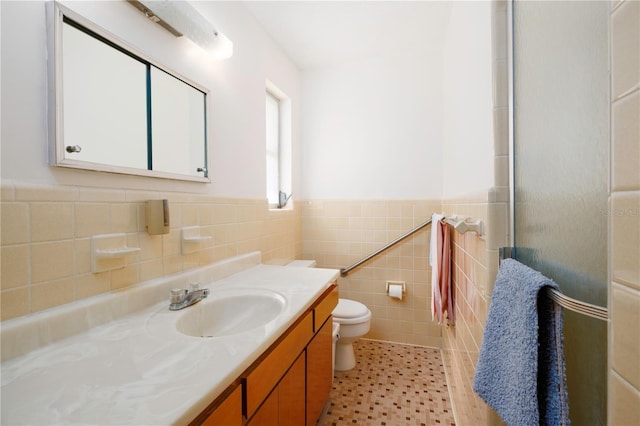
[55, 15]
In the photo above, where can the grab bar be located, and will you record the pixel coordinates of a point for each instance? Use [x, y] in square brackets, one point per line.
[584, 308]
[345, 271]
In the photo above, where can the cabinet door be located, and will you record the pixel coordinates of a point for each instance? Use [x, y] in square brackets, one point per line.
[229, 413]
[319, 372]
[267, 414]
[291, 394]
[264, 378]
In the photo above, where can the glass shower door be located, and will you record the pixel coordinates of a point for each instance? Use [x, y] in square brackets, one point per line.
[561, 178]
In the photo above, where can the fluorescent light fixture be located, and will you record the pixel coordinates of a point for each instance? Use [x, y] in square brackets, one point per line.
[181, 19]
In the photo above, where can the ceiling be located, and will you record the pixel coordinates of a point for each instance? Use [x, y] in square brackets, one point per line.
[323, 33]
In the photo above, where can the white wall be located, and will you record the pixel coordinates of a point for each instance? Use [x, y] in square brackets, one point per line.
[380, 128]
[372, 129]
[403, 126]
[237, 85]
[468, 155]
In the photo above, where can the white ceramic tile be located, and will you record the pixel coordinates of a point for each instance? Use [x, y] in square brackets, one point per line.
[501, 131]
[625, 147]
[497, 227]
[623, 401]
[625, 45]
[101, 195]
[15, 266]
[625, 314]
[124, 217]
[51, 221]
[50, 261]
[92, 219]
[53, 293]
[15, 223]
[500, 84]
[501, 170]
[499, 31]
[28, 192]
[14, 303]
[624, 216]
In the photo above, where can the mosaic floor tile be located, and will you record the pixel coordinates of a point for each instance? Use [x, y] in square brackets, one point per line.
[392, 384]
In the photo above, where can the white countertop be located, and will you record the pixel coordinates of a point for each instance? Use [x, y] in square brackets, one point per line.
[138, 369]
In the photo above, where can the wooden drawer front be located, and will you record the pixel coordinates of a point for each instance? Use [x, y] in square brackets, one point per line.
[229, 413]
[324, 308]
[264, 378]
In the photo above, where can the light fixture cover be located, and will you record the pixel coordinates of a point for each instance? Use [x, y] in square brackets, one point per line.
[186, 20]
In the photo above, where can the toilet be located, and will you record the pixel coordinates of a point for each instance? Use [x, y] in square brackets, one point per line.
[355, 320]
[351, 320]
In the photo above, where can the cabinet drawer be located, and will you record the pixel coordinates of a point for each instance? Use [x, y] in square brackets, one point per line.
[260, 382]
[324, 308]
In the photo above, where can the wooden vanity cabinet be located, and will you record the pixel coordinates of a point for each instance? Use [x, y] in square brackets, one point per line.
[290, 383]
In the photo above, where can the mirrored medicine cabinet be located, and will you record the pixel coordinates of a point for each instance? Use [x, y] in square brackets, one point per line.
[116, 110]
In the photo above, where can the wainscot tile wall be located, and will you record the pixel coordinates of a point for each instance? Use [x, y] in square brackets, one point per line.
[46, 234]
[338, 233]
[474, 268]
[624, 216]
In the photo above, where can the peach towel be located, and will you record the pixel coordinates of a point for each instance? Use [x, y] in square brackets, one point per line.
[441, 291]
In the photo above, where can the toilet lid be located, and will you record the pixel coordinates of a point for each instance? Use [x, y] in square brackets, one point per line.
[349, 309]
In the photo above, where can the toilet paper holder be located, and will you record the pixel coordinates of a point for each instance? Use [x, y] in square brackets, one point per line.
[401, 283]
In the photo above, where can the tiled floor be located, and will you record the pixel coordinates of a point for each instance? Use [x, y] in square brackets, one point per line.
[391, 384]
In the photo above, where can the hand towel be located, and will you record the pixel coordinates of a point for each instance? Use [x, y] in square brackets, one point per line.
[440, 260]
[521, 371]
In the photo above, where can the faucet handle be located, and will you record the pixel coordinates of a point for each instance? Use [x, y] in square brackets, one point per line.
[194, 287]
[177, 295]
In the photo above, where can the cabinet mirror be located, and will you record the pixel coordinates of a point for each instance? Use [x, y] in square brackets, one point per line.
[117, 110]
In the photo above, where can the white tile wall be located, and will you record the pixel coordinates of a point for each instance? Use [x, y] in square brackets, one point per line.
[624, 216]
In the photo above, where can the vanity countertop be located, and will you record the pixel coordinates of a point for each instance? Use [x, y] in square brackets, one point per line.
[138, 369]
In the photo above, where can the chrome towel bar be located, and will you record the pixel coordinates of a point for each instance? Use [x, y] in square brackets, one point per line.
[566, 302]
[578, 306]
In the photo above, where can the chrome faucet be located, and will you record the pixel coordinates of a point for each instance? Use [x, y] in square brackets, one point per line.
[182, 298]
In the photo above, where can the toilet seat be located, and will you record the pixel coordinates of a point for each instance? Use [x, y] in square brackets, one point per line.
[350, 312]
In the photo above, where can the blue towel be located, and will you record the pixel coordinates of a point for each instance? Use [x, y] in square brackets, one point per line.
[521, 370]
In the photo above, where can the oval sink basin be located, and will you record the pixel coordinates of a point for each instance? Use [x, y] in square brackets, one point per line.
[228, 313]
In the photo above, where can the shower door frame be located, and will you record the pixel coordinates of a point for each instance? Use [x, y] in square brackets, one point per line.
[511, 250]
